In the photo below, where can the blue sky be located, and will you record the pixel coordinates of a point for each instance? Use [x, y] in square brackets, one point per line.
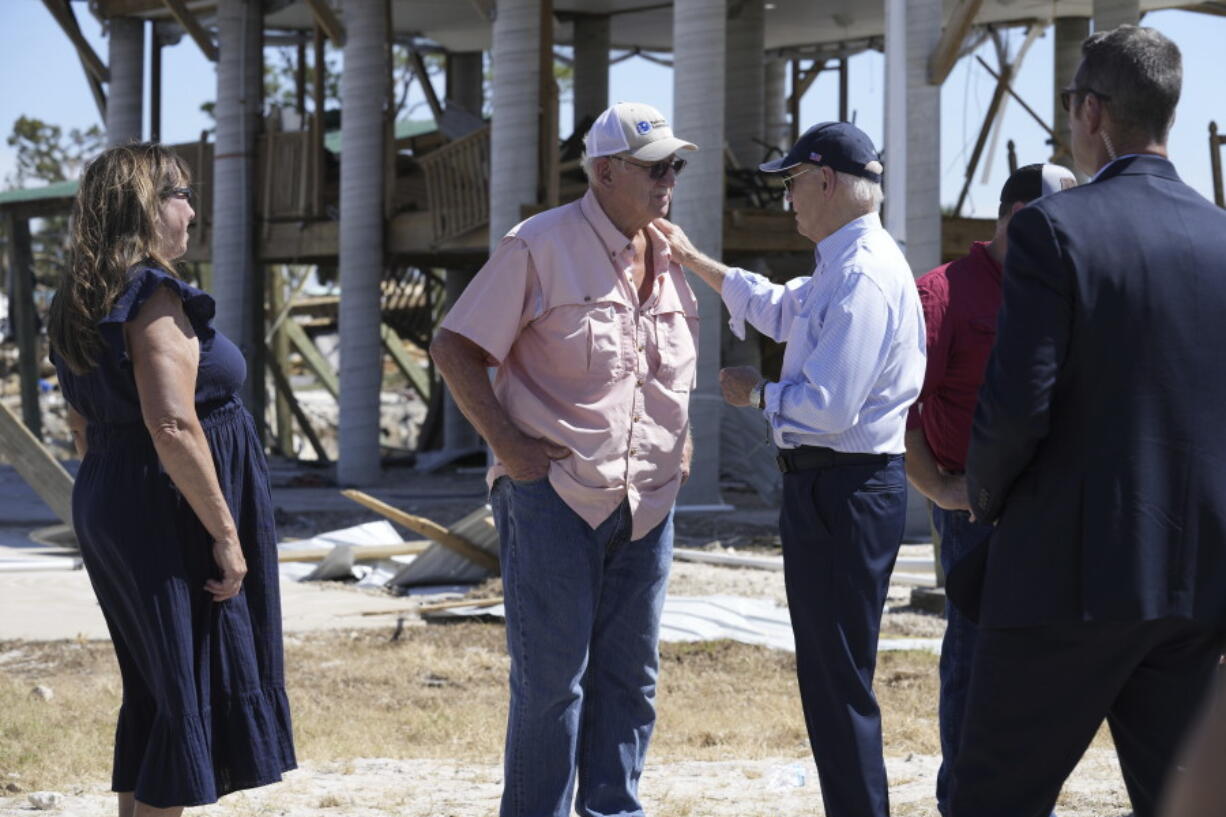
[44, 79]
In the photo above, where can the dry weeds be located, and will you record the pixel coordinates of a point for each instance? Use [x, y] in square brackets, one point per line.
[439, 692]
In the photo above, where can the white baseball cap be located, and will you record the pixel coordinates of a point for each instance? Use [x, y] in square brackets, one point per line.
[634, 128]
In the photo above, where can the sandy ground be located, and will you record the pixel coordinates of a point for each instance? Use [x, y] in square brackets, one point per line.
[776, 787]
[60, 605]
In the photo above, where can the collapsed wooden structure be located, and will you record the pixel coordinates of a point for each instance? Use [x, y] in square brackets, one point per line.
[404, 213]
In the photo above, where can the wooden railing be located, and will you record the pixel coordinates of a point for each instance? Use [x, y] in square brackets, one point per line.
[457, 185]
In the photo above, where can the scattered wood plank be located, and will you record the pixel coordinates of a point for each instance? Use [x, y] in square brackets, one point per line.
[427, 528]
[360, 552]
[458, 603]
[35, 465]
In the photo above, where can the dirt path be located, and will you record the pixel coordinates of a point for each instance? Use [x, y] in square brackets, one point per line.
[375, 787]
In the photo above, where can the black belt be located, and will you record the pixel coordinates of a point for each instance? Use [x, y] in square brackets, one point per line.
[808, 457]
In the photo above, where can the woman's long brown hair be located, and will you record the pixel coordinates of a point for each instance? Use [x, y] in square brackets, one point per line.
[115, 226]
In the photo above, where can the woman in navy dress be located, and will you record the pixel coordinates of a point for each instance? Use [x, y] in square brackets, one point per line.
[171, 505]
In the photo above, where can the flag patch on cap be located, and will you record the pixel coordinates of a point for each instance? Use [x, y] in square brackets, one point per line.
[815, 157]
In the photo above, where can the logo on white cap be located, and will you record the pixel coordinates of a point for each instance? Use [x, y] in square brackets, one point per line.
[635, 128]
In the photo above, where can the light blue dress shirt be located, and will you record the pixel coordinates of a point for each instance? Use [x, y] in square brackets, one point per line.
[854, 361]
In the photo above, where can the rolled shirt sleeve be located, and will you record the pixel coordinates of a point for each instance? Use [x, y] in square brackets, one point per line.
[769, 308]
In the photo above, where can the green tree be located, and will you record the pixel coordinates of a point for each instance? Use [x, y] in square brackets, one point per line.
[46, 154]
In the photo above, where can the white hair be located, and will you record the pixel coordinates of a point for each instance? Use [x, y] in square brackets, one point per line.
[588, 163]
[866, 194]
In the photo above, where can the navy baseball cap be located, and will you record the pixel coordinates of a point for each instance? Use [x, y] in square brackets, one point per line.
[840, 146]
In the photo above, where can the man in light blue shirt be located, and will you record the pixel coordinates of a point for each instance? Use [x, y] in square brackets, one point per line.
[852, 367]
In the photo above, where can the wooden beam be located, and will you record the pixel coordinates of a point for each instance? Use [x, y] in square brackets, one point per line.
[1215, 162]
[61, 10]
[327, 20]
[95, 88]
[192, 26]
[1003, 81]
[279, 356]
[300, 80]
[311, 356]
[423, 76]
[21, 283]
[34, 463]
[155, 84]
[485, 8]
[395, 348]
[1057, 142]
[428, 528]
[319, 61]
[360, 552]
[793, 101]
[945, 55]
[304, 423]
[803, 80]
[844, 96]
[548, 180]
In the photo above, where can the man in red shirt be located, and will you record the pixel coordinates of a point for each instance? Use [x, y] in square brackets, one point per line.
[960, 301]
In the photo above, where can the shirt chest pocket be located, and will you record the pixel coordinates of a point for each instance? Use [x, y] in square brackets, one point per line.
[676, 335]
[583, 341]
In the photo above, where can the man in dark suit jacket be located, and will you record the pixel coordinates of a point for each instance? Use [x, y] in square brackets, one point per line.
[1099, 450]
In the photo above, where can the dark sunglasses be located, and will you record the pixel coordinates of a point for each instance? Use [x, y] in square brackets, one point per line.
[788, 180]
[659, 169]
[1066, 96]
[184, 193]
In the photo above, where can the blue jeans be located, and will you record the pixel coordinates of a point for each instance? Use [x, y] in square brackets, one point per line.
[959, 536]
[583, 619]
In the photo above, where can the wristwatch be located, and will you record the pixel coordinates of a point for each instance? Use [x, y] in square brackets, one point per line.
[757, 395]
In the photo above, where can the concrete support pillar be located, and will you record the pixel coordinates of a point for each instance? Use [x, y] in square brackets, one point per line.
[1066, 55]
[1111, 13]
[913, 131]
[459, 436]
[591, 67]
[364, 86]
[699, 30]
[744, 129]
[237, 277]
[744, 74]
[466, 80]
[516, 122]
[777, 129]
[125, 91]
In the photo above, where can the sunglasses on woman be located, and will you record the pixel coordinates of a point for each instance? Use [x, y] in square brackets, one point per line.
[657, 170]
[184, 193]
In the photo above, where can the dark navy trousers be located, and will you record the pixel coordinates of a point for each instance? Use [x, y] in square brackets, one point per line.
[1039, 694]
[841, 528]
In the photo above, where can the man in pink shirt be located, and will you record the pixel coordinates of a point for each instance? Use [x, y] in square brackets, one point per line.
[594, 333]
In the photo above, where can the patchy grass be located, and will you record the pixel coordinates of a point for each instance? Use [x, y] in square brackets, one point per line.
[440, 692]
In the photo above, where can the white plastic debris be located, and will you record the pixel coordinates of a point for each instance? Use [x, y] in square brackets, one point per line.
[43, 692]
[46, 800]
[791, 776]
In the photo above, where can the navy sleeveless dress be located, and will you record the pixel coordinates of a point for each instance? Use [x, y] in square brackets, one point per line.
[204, 708]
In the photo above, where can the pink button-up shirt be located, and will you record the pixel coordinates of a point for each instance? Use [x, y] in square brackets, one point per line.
[582, 363]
